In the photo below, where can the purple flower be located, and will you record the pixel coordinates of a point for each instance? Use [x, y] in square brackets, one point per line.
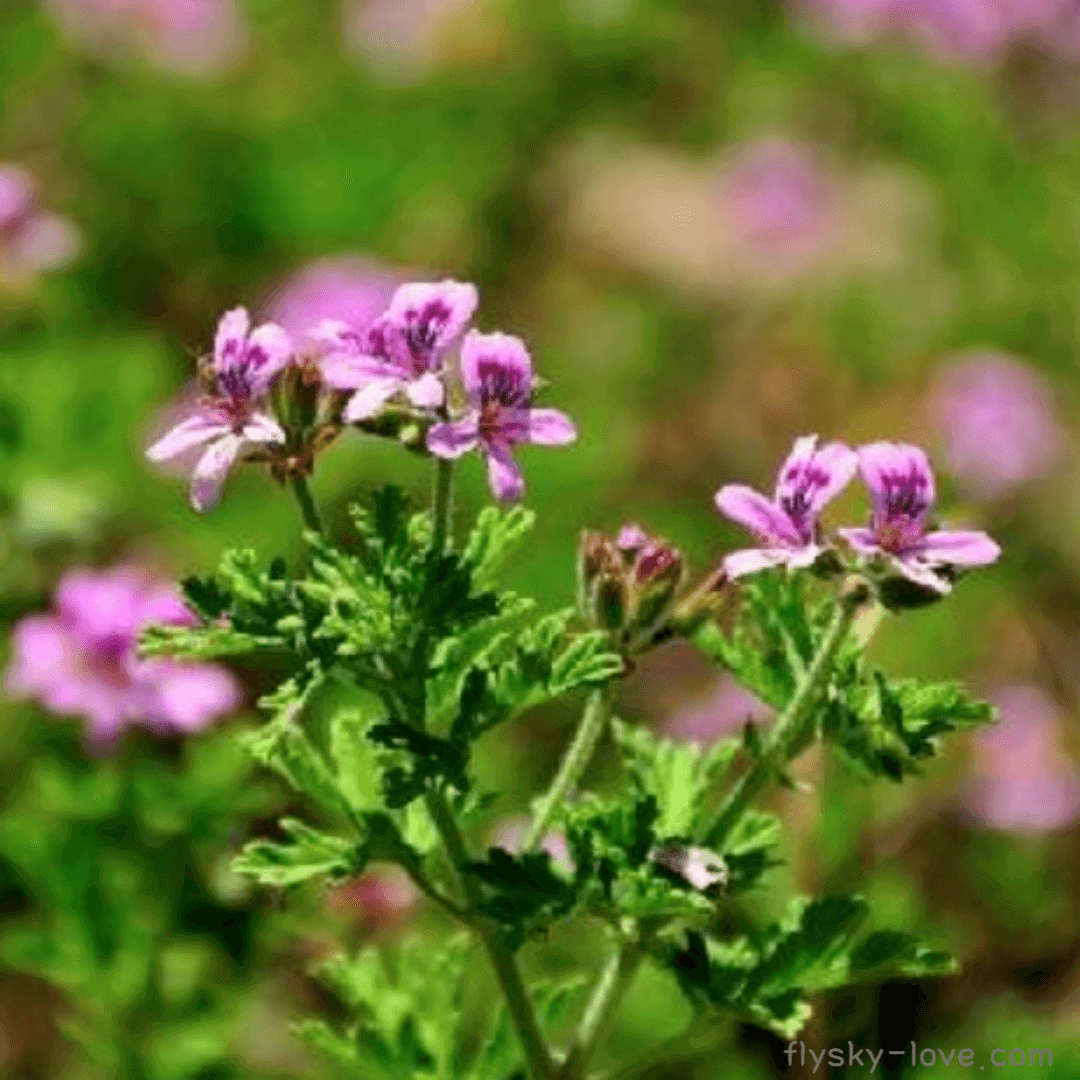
[352, 291]
[31, 241]
[82, 660]
[230, 420]
[402, 352]
[787, 525]
[990, 392]
[1023, 780]
[496, 372]
[726, 712]
[901, 486]
[383, 898]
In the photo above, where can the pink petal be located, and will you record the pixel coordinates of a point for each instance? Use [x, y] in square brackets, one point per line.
[16, 193]
[350, 372]
[191, 696]
[959, 548]
[452, 440]
[883, 464]
[46, 242]
[862, 541]
[754, 512]
[751, 560]
[632, 538]
[915, 568]
[494, 351]
[820, 474]
[42, 654]
[549, 427]
[367, 402]
[194, 431]
[262, 428]
[504, 476]
[426, 392]
[443, 308]
[208, 477]
[269, 349]
[231, 338]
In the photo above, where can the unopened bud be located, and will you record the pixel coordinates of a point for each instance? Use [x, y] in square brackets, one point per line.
[608, 605]
[657, 575]
[597, 556]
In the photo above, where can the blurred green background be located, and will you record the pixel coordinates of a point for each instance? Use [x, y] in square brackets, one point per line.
[718, 226]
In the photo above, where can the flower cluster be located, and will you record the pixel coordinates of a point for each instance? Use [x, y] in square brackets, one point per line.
[900, 539]
[82, 659]
[398, 368]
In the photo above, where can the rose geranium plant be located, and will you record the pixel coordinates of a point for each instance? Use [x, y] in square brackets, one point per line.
[397, 650]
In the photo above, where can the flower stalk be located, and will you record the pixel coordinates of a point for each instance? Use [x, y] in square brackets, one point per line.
[789, 730]
[309, 509]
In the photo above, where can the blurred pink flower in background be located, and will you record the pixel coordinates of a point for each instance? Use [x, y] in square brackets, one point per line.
[997, 421]
[189, 37]
[383, 898]
[777, 200]
[82, 659]
[724, 713]
[1023, 780]
[958, 31]
[31, 241]
[348, 289]
[510, 835]
[401, 38]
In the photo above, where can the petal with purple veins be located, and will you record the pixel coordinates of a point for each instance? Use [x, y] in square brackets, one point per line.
[549, 427]
[194, 431]
[756, 513]
[430, 315]
[269, 349]
[208, 477]
[231, 338]
[452, 440]
[899, 479]
[496, 367]
[915, 568]
[861, 540]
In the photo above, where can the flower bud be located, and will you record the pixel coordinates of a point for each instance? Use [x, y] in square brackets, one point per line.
[656, 577]
[597, 556]
[608, 602]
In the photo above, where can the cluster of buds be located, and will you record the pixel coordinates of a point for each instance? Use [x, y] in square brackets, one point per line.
[634, 587]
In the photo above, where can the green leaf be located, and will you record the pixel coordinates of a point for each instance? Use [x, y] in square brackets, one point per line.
[495, 536]
[308, 854]
[767, 977]
[749, 850]
[681, 776]
[355, 756]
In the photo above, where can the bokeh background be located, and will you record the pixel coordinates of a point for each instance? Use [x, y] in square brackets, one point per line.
[718, 226]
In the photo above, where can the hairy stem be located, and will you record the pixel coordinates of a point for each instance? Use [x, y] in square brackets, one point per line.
[308, 508]
[502, 959]
[789, 730]
[605, 999]
[573, 764]
[443, 503]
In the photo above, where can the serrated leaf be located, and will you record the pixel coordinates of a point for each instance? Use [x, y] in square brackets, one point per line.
[309, 853]
[355, 757]
[495, 536]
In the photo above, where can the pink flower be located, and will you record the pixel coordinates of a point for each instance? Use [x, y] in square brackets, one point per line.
[31, 241]
[384, 897]
[189, 37]
[787, 524]
[402, 352]
[511, 833]
[726, 712]
[496, 371]
[988, 392]
[901, 486]
[346, 290]
[82, 660]
[1023, 780]
[231, 420]
[778, 198]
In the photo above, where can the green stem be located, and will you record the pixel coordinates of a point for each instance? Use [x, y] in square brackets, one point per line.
[605, 999]
[502, 959]
[789, 730]
[573, 764]
[308, 508]
[443, 503]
